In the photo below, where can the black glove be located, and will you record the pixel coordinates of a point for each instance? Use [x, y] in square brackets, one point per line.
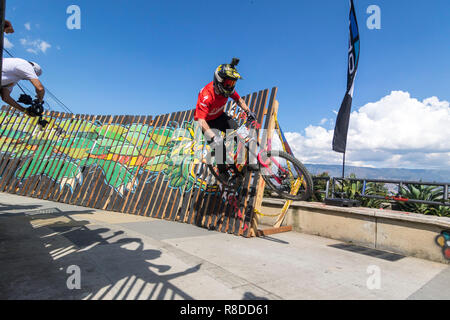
[251, 116]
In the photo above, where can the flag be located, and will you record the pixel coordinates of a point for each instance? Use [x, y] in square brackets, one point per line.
[343, 117]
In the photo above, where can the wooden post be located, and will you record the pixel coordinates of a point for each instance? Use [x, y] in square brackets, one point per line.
[285, 208]
[261, 182]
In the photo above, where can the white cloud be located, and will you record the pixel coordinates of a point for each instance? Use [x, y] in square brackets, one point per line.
[35, 46]
[43, 46]
[323, 121]
[397, 131]
[7, 44]
[28, 26]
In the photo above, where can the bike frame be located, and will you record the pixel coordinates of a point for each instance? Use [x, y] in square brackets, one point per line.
[242, 143]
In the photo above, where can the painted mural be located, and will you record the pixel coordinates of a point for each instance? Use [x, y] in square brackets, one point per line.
[443, 241]
[152, 166]
[124, 153]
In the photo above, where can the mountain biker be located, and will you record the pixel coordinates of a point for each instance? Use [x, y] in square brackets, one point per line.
[209, 111]
[14, 70]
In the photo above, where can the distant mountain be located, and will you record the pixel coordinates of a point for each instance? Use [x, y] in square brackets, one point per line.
[425, 175]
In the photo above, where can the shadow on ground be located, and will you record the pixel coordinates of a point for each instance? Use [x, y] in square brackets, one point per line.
[36, 259]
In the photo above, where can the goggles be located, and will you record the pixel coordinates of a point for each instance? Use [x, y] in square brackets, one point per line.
[229, 83]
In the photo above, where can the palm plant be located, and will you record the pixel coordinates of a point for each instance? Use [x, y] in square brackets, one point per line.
[375, 189]
[353, 189]
[426, 193]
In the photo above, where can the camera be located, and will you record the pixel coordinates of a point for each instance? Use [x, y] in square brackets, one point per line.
[234, 62]
[36, 108]
[25, 99]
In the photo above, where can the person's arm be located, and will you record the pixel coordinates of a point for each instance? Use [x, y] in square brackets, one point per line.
[6, 97]
[8, 27]
[241, 103]
[40, 91]
[206, 129]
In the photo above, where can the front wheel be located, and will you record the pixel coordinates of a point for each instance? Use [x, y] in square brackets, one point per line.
[286, 175]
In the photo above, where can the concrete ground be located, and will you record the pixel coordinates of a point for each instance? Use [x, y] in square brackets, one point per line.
[47, 248]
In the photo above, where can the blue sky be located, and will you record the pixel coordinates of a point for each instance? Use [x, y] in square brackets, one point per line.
[152, 57]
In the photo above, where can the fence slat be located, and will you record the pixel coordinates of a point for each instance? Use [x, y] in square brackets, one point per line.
[9, 169]
[158, 179]
[133, 199]
[141, 206]
[176, 193]
[248, 211]
[12, 186]
[102, 184]
[81, 149]
[241, 202]
[91, 168]
[107, 201]
[52, 139]
[118, 200]
[43, 144]
[77, 194]
[161, 195]
[73, 126]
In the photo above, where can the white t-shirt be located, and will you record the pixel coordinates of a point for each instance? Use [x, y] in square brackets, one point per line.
[16, 69]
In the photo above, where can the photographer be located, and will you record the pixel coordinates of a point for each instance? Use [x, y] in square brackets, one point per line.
[14, 70]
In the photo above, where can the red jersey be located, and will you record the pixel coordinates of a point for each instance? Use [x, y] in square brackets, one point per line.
[210, 105]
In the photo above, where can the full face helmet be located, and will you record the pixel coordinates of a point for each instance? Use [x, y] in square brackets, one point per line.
[225, 78]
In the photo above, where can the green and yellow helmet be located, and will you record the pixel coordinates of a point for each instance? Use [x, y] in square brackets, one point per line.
[225, 78]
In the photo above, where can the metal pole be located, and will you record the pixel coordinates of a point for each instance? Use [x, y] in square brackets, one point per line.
[343, 175]
[2, 29]
[343, 167]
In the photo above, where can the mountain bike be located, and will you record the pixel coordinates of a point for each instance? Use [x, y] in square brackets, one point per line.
[282, 172]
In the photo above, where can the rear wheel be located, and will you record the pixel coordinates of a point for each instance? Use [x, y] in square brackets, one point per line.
[283, 173]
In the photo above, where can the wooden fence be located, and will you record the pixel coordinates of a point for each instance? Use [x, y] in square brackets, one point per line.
[140, 165]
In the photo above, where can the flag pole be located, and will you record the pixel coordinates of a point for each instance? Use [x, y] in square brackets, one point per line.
[343, 174]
